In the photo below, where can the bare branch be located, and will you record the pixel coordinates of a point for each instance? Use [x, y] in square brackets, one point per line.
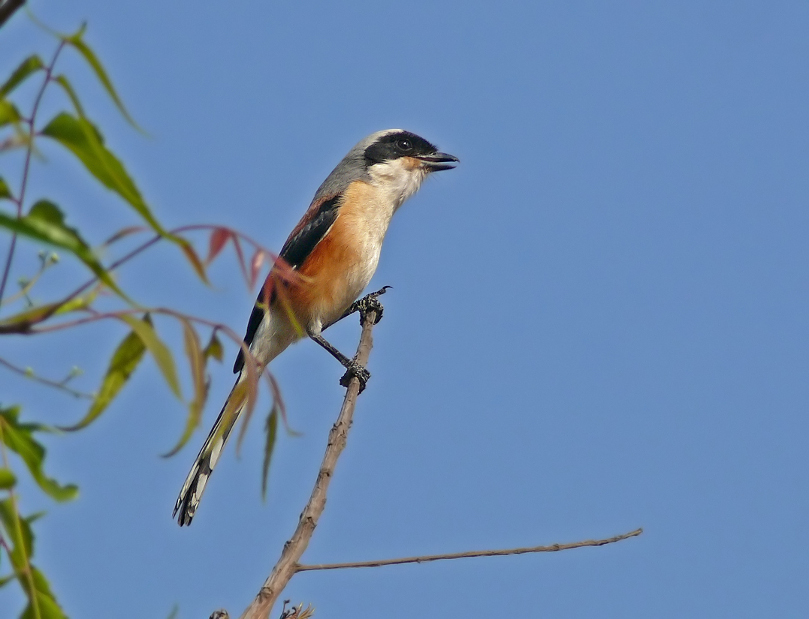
[471, 553]
[287, 565]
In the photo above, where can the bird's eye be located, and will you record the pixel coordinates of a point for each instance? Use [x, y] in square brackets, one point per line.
[404, 145]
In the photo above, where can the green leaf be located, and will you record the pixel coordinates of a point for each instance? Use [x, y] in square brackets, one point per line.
[5, 192]
[18, 531]
[46, 223]
[214, 348]
[19, 438]
[85, 141]
[68, 88]
[8, 113]
[19, 323]
[7, 479]
[46, 605]
[89, 56]
[160, 352]
[28, 67]
[196, 361]
[124, 361]
[32, 518]
[271, 429]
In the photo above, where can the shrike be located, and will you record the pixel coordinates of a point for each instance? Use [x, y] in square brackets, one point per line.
[334, 251]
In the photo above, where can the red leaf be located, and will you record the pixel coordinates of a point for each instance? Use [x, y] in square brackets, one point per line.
[124, 232]
[278, 401]
[219, 238]
[238, 247]
[255, 266]
[189, 252]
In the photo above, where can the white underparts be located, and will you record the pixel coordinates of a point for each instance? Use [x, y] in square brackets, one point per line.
[398, 179]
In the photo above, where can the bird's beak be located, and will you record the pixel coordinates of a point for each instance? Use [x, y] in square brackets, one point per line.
[438, 161]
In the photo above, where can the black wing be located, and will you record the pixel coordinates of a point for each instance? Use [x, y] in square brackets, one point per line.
[303, 240]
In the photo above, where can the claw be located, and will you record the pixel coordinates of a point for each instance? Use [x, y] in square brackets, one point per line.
[355, 370]
[367, 303]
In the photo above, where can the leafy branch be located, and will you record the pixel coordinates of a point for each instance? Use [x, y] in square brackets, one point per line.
[17, 536]
[45, 223]
[27, 68]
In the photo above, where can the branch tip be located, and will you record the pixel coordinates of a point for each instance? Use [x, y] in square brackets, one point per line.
[471, 554]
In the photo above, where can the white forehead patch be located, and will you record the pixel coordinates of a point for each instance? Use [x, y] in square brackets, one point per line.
[374, 137]
[384, 132]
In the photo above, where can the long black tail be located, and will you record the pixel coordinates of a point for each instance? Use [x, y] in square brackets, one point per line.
[194, 486]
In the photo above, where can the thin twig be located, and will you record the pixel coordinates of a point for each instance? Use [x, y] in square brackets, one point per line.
[97, 316]
[470, 554]
[116, 315]
[8, 8]
[46, 381]
[20, 200]
[27, 286]
[144, 246]
[287, 565]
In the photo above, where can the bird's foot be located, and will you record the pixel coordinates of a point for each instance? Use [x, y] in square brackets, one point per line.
[370, 302]
[354, 369]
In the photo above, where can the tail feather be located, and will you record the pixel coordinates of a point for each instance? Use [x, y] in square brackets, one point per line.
[194, 486]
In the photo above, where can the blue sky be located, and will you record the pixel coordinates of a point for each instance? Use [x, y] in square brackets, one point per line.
[598, 320]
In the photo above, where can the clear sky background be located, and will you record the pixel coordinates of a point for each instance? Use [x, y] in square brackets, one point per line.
[598, 321]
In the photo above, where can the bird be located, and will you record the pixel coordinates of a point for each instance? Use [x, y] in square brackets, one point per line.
[323, 267]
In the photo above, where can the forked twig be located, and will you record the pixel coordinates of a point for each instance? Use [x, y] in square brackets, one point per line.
[61, 385]
[287, 565]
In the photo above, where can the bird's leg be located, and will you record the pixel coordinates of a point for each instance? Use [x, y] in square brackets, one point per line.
[364, 305]
[352, 367]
